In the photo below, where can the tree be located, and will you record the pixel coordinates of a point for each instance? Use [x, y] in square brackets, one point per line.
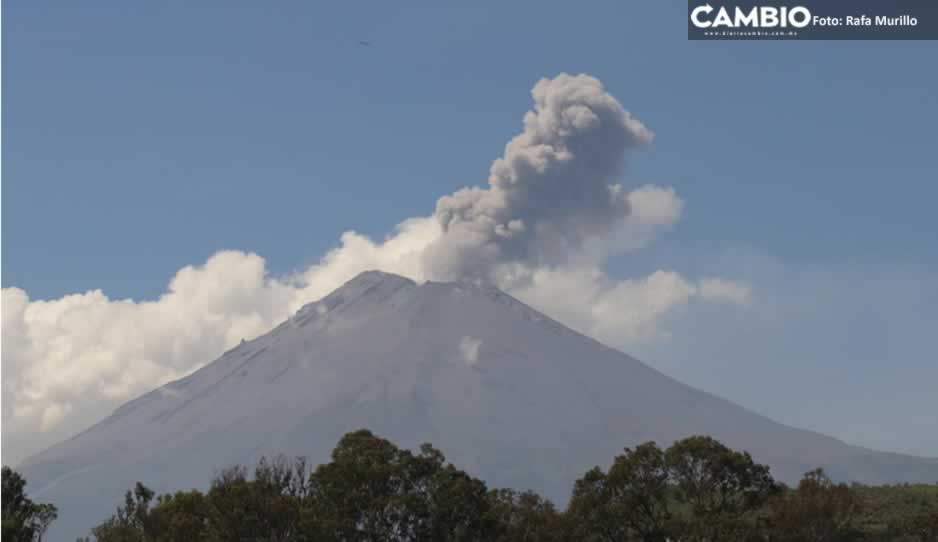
[631, 499]
[181, 516]
[817, 511]
[267, 507]
[592, 513]
[526, 517]
[264, 508]
[44, 515]
[374, 491]
[132, 522]
[22, 519]
[357, 495]
[923, 525]
[718, 489]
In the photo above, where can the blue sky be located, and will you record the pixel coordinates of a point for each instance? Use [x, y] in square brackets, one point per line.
[143, 138]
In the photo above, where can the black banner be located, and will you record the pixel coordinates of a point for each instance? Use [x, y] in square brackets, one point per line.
[812, 20]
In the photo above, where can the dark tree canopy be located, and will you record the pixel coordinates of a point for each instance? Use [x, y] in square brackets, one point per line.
[373, 491]
[632, 498]
[526, 517]
[23, 520]
[818, 510]
[719, 489]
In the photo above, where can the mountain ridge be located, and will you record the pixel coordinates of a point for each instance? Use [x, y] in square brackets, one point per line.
[505, 391]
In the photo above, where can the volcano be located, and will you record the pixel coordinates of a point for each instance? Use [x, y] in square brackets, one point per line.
[509, 395]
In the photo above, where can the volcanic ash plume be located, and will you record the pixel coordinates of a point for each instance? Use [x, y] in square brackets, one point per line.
[552, 190]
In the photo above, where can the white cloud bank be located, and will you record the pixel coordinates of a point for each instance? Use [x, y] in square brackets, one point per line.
[551, 215]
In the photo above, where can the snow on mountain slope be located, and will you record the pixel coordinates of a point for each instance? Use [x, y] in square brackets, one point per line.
[505, 392]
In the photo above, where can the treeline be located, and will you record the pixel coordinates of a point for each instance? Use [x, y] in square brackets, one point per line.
[371, 490]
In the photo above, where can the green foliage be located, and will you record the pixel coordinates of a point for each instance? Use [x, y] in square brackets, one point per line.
[22, 519]
[132, 523]
[632, 499]
[720, 490]
[697, 489]
[526, 517]
[373, 491]
[370, 491]
[182, 516]
[818, 510]
[891, 512]
[265, 507]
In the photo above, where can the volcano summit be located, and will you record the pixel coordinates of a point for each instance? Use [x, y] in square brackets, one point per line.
[505, 391]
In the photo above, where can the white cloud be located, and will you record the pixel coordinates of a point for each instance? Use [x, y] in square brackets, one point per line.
[719, 289]
[66, 361]
[542, 229]
[618, 312]
[469, 349]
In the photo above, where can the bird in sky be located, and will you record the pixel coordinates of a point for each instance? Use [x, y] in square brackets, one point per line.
[364, 43]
